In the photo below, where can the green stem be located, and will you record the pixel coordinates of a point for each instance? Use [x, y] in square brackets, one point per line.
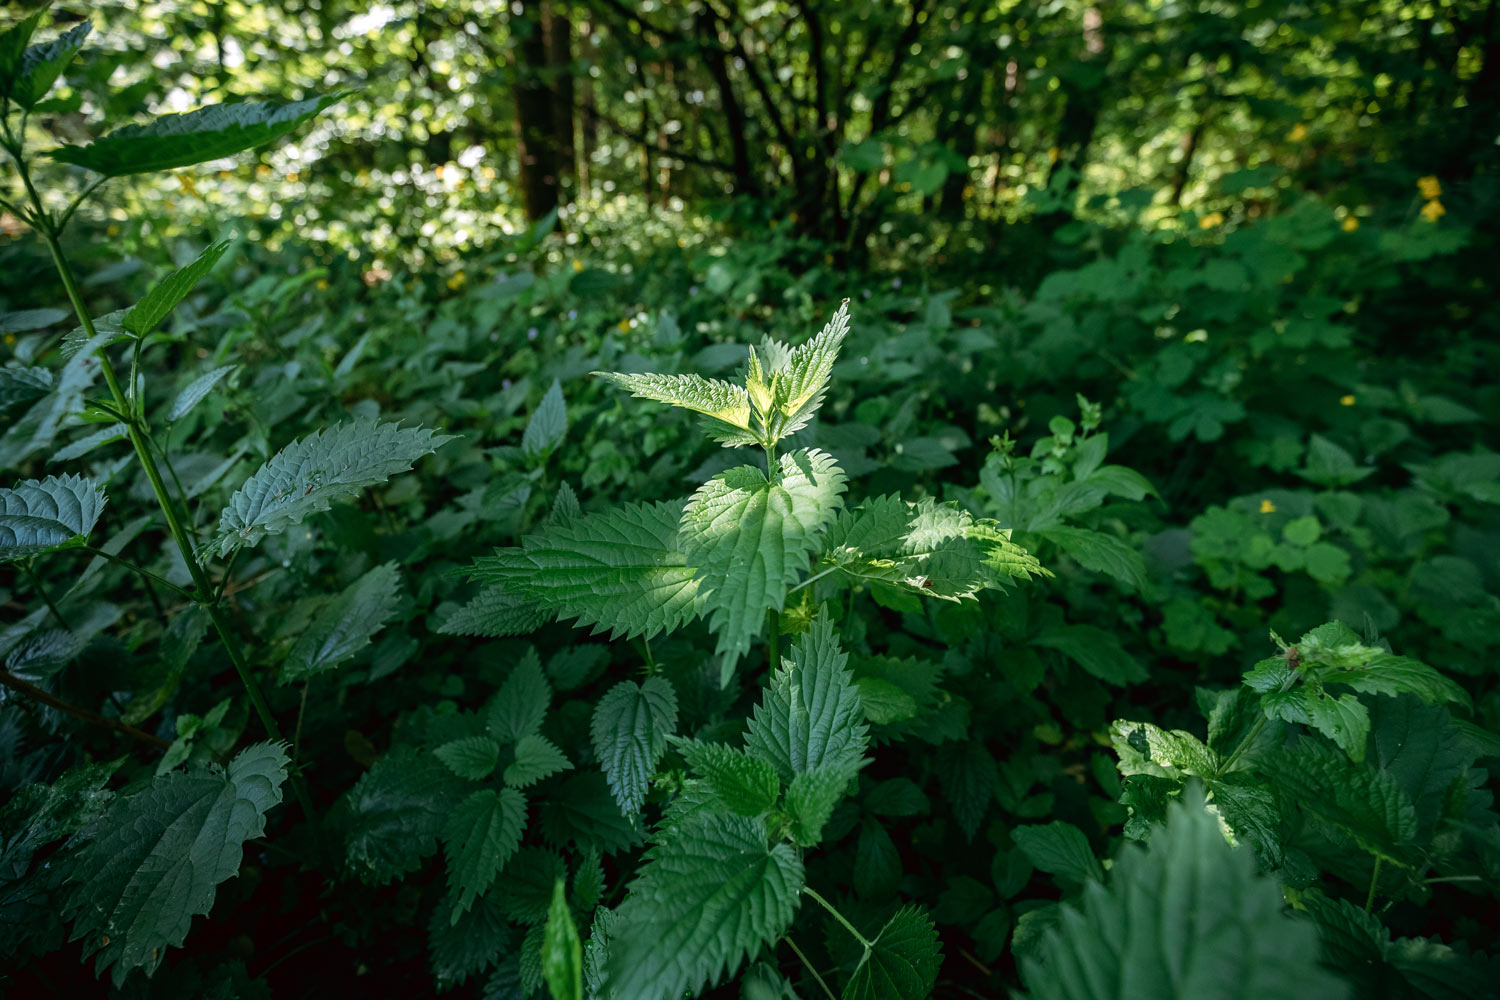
[36, 583]
[825, 904]
[1374, 882]
[773, 644]
[1249, 739]
[144, 573]
[798, 952]
[204, 590]
[812, 579]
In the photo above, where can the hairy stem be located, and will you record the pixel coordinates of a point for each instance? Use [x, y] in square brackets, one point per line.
[1374, 883]
[29, 689]
[825, 904]
[798, 952]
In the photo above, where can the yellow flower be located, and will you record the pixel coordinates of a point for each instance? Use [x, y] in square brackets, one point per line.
[322, 284]
[1350, 224]
[10, 340]
[1433, 210]
[1210, 220]
[1052, 155]
[1430, 187]
[112, 231]
[1298, 133]
[624, 325]
[262, 170]
[188, 185]
[1346, 400]
[1267, 507]
[456, 282]
[578, 265]
[294, 177]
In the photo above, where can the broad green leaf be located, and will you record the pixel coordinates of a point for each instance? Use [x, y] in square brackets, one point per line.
[170, 141]
[562, 952]
[967, 773]
[901, 963]
[1383, 673]
[750, 539]
[46, 514]
[1095, 650]
[154, 859]
[883, 702]
[810, 801]
[195, 391]
[1369, 805]
[521, 703]
[494, 611]
[618, 571]
[799, 385]
[84, 445]
[629, 733]
[1343, 719]
[1422, 750]
[396, 812]
[1101, 553]
[525, 886]
[1060, 849]
[479, 837]
[346, 625]
[547, 425]
[19, 386]
[461, 944]
[473, 758]
[1185, 916]
[727, 406]
[42, 63]
[707, 899]
[810, 715]
[746, 785]
[1147, 749]
[535, 758]
[147, 314]
[307, 476]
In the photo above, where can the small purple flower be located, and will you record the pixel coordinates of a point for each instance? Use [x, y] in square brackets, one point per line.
[531, 334]
[572, 314]
[895, 282]
[693, 290]
[505, 383]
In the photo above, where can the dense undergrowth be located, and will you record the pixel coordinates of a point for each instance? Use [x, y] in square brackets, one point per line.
[1126, 631]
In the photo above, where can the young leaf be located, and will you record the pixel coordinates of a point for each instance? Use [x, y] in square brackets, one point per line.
[308, 475]
[547, 425]
[345, 626]
[727, 405]
[746, 785]
[479, 838]
[618, 571]
[705, 900]
[810, 801]
[42, 63]
[802, 382]
[52, 513]
[562, 952]
[629, 731]
[810, 715]
[154, 859]
[1181, 918]
[901, 963]
[750, 538]
[521, 703]
[1101, 553]
[1059, 849]
[170, 141]
[1371, 806]
[472, 758]
[84, 445]
[494, 611]
[536, 758]
[195, 391]
[164, 296]
[13, 44]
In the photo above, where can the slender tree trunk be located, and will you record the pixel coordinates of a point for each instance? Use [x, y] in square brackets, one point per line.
[559, 62]
[588, 128]
[535, 133]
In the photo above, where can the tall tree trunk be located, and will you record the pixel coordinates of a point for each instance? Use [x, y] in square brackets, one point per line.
[559, 64]
[588, 127]
[535, 133]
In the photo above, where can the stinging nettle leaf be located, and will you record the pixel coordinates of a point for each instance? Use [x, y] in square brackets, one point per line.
[479, 837]
[147, 314]
[562, 951]
[535, 758]
[618, 571]
[902, 962]
[1059, 849]
[521, 703]
[629, 732]
[800, 385]
[154, 860]
[346, 625]
[470, 757]
[727, 405]
[13, 44]
[195, 392]
[308, 475]
[746, 785]
[46, 514]
[750, 538]
[181, 140]
[42, 63]
[547, 425]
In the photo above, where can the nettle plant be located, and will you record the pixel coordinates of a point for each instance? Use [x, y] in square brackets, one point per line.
[754, 551]
[135, 866]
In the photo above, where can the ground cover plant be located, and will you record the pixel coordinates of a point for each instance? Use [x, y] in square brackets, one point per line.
[585, 559]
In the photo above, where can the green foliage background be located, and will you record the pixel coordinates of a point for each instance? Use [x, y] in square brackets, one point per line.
[1103, 601]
